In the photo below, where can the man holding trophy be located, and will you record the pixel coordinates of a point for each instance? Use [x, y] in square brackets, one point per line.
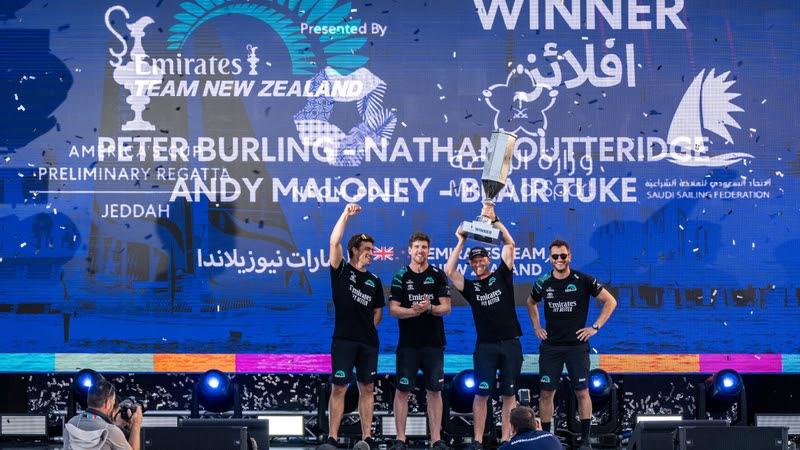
[491, 294]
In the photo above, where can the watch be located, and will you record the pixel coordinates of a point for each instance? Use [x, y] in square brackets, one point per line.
[596, 327]
[496, 219]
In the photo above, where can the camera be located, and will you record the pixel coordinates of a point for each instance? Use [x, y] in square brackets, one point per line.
[127, 407]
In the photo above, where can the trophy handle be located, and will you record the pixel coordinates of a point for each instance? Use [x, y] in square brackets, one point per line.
[117, 55]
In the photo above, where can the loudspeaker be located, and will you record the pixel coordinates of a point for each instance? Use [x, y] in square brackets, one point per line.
[202, 438]
[257, 429]
[732, 438]
[659, 435]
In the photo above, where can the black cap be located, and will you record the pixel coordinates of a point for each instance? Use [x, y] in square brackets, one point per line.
[478, 251]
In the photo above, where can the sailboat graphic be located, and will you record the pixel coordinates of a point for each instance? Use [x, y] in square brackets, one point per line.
[706, 105]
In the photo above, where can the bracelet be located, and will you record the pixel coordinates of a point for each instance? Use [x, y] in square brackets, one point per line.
[496, 219]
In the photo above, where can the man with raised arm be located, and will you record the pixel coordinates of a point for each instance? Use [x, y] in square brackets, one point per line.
[419, 298]
[357, 300]
[491, 296]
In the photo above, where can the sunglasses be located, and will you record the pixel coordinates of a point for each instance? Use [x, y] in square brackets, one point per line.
[563, 256]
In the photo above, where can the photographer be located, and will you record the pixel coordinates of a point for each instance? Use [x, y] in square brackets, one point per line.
[94, 429]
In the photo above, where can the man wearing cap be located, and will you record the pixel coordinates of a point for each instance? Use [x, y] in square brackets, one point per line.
[491, 296]
[357, 300]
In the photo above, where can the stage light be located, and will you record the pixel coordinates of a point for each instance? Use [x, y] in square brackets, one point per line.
[719, 392]
[216, 392]
[84, 380]
[469, 382]
[726, 383]
[599, 384]
[458, 396]
[462, 392]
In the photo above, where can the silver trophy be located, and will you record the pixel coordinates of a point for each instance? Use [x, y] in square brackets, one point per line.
[495, 172]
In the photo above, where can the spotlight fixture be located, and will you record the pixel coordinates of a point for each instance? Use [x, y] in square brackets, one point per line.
[216, 392]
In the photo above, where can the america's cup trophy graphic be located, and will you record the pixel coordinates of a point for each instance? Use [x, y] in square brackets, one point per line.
[495, 172]
[137, 75]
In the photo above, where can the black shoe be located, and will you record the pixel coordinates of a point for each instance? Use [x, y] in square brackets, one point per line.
[475, 446]
[329, 444]
[398, 445]
[440, 445]
[373, 444]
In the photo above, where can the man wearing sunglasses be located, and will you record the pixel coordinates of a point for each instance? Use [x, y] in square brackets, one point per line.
[491, 296]
[565, 293]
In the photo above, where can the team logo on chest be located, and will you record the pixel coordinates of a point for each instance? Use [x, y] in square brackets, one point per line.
[370, 283]
[571, 288]
[428, 280]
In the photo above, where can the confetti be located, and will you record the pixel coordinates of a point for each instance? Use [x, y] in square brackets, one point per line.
[725, 323]
[696, 249]
[439, 86]
[680, 226]
[779, 173]
[23, 245]
[442, 97]
[454, 54]
[754, 245]
[445, 118]
[403, 124]
[763, 101]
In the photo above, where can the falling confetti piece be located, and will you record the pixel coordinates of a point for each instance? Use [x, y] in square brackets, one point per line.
[442, 97]
[696, 249]
[779, 173]
[403, 213]
[439, 86]
[734, 241]
[594, 350]
[445, 118]
[454, 54]
[754, 245]
[725, 323]
[21, 108]
[305, 217]
[23, 245]
[763, 101]
[714, 293]
[680, 226]
[403, 124]
[753, 130]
